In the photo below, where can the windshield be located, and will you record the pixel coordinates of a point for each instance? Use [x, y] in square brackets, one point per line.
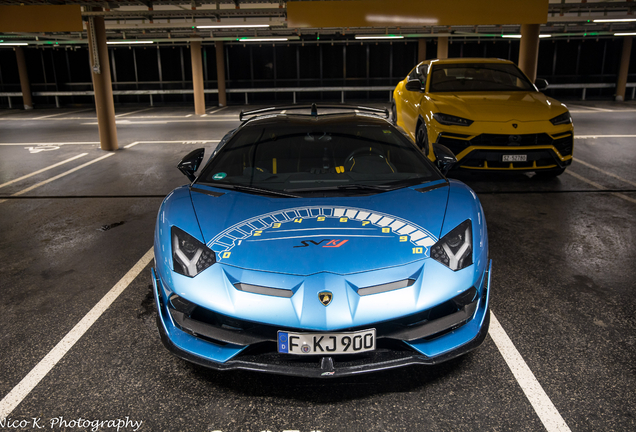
[478, 77]
[301, 158]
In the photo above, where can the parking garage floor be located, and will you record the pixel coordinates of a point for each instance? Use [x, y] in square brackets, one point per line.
[79, 338]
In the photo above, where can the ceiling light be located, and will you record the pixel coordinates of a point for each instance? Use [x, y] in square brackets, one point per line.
[380, 37]
[262, 39]
[129, 42]
[401, 20]
[615, 20]
[231, 26]
[518, 36]
[13, 43]
[624, 34]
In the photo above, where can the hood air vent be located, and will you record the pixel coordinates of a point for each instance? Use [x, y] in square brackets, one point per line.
[375, 289]
[275, 292]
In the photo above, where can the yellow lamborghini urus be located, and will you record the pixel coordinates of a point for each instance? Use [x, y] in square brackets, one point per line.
[488, 113]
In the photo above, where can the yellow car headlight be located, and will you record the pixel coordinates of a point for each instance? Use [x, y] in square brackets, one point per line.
[564, 118]
[451, 120]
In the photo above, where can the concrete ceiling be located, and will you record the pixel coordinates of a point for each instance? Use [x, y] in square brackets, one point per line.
[171, 21]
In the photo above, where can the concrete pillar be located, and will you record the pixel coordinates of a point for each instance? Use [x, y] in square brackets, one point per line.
[442, 47]
[102, 83]
[24, 78]
[529, 50]
[624, 68]
[220, 72]
[421, 50]
[197, 77]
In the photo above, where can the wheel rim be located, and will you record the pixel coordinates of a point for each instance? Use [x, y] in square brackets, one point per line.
[422, 139]
[421, 136]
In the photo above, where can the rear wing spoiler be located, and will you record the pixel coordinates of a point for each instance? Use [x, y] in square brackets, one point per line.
[314, 110]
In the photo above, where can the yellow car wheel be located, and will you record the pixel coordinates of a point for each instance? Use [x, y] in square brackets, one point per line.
[394, 113]
[421, 138]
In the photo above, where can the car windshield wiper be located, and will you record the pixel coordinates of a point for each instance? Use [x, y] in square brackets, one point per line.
[252, 189]
[366, 187]
[380, 188]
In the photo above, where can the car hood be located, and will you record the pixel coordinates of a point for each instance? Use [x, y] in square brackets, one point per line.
[498, 106]
[305, 236]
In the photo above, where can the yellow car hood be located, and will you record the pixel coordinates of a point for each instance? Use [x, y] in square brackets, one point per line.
[499, 106]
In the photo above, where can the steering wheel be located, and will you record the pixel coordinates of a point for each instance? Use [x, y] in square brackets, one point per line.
[367, 151]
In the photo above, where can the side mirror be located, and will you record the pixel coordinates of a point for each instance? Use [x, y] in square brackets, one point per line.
[190, 163]
[541, 84]
[445, 159]
[414, 85]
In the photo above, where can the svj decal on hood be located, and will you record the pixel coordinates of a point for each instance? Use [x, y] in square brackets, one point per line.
[322, 226]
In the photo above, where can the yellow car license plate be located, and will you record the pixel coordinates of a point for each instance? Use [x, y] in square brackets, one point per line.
[514, 158]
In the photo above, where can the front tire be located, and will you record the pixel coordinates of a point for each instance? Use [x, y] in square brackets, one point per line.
[394, 114]
[421, 138]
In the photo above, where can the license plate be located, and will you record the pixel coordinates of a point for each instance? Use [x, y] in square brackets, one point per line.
[326, 343]
[514, 158]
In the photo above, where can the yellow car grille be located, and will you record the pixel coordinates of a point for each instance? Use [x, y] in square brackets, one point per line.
[486, 151]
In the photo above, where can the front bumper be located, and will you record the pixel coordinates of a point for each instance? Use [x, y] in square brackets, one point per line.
[486, 151]
[459, 337]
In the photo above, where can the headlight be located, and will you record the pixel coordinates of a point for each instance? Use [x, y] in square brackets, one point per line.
[447, 119]
[564, 118]
[189, 256]
[455, 249]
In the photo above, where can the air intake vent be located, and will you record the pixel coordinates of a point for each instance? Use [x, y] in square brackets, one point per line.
[375, 289]
[275, 292]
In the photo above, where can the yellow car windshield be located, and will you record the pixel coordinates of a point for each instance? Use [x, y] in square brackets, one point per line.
[470, 77]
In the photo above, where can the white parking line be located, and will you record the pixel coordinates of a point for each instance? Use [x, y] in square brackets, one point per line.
[132, 144]
[590, 108]
[216, 110]
[538, 398]
[596, 110]
[42, 170]
[128, 122]
[607, 173]
[229, 117]
[28, 383]
[50, 143]
[42, 183]
[178, 116]
[598, 186]
[133, 112]
[207, 119]
[38, 118]
[62, 113]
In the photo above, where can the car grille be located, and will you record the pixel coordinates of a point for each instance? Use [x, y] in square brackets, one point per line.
[492, 159]
[266, 352]
[458, 143]
[221, 329]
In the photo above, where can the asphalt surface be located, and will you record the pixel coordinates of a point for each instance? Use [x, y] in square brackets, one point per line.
[563, 290]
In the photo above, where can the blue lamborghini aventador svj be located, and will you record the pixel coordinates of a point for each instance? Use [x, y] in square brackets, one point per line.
[320, 243]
